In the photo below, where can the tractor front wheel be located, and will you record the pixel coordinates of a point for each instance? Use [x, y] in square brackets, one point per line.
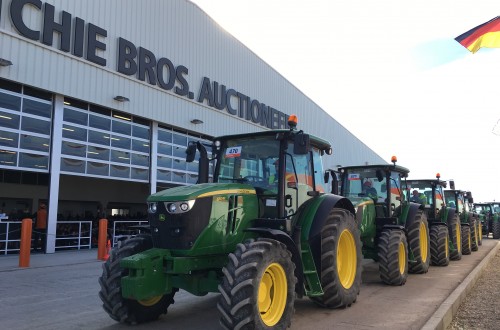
[455, 238]
[393, 257]
[474, 235]
[418, 242]
[440, 250]
[129, 310]
[340, 260]
[479, 232]
[495, 229]
[467, 240]
[258, 288]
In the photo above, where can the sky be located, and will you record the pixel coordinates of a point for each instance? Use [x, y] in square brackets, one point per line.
[391, 73]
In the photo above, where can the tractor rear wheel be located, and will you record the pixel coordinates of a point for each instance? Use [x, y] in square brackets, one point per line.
[418, 242]
[467, 240]
[474, 235]
[495, 229]
[258, 288]
[440, 250]
[393, 257]
[129, 310]
[455, 238]
[340, 260]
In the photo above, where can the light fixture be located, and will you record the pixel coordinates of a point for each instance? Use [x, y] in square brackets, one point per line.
[196, 121]
[4, 62]
[120, 98]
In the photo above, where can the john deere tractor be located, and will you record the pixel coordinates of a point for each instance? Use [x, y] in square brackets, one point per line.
[461, 201]
[394, 232]
[489, 214]
[444, 223]
[260, 230]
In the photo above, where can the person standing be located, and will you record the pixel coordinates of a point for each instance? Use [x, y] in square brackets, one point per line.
[40, 228]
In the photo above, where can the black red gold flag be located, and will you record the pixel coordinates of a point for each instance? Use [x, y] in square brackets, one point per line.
[484, 35]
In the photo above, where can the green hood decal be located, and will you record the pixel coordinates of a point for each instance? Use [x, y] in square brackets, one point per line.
[201, 190]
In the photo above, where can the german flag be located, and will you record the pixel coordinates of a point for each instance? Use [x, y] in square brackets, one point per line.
[484, 35]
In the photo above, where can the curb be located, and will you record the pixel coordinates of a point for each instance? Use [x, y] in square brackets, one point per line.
[443, 316]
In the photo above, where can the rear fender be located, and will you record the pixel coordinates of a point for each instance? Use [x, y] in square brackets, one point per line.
[312, 216]
[412, 208]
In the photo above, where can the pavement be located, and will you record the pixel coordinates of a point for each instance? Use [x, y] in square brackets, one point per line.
[59, 290]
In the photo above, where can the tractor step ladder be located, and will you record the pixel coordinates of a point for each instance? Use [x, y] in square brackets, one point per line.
[312, 284]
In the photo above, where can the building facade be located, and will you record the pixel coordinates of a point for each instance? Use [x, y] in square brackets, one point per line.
[99, 99]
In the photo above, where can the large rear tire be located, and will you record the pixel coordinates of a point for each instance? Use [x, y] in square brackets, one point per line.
[495, 229]
[467, 240]
[128, 310]
[258, 288]
[418, 242]
[340, 260]
[393, 257]
[455, 232]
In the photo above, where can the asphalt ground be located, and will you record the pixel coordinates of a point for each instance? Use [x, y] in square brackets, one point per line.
[60, 291]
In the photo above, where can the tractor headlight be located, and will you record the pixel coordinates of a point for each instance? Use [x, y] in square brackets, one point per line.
[179, 207]
[152, 207]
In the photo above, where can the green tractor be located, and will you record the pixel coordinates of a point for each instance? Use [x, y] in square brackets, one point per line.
[489, 214]
[262, 231]
[394, 232]
[461, 201]
[444, 223]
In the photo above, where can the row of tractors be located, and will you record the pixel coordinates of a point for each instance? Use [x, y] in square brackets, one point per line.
[266, 224]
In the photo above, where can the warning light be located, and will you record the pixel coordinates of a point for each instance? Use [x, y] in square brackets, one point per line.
[438, 176]
[394, 159]
[292, 121]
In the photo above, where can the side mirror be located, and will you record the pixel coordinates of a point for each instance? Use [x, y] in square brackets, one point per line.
[190, 152]
[326, 176]
[301, 145]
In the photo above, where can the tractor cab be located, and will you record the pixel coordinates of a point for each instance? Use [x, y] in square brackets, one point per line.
[379, 185]
[283, 167]
[430, 193]
[458, 199]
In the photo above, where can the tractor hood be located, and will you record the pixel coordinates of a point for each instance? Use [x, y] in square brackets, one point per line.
[183, 193]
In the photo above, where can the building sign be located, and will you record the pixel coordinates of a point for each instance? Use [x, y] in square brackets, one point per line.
[86, 40]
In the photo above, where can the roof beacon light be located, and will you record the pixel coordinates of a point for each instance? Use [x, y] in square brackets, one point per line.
[292, 121]
[438, 176]
[394, 159]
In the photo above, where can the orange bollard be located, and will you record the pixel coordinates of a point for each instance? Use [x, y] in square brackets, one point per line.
[25, 250]
[102, 239]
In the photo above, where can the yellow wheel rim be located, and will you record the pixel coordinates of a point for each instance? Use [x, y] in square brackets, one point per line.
[469, 241]
[424, 243]
[346, 259]
[272, 294]
[150, 302]
[459, 237]
[480, 227]
[402, 258]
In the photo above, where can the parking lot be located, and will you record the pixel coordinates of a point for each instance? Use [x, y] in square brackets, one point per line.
[60, 291]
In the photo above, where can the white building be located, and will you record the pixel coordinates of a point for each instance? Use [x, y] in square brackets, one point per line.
[98, 100]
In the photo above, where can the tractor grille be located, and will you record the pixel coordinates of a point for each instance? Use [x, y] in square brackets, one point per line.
[179, 231]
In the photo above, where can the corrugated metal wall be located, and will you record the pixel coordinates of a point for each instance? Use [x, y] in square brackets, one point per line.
[183, 33]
